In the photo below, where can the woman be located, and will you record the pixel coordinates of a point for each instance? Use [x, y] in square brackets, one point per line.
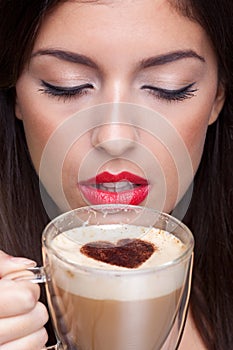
[172, 57]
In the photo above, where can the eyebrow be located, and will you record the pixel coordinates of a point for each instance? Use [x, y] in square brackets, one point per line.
[67, 56]
[159, 60]
[170, 57]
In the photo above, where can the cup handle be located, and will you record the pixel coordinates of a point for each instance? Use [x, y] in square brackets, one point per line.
[54, 347]
[38, 276]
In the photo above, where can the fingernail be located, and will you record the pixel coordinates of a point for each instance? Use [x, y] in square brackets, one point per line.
[23, 261]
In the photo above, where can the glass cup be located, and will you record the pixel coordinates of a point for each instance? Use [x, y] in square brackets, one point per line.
[117, 277]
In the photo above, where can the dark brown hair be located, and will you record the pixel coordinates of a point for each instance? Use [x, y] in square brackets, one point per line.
[22, 216]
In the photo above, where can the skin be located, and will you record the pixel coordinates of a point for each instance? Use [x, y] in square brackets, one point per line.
[19, 308]
[116, 76]
[96, 31]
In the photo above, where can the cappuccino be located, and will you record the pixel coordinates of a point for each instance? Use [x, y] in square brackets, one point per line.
[119, 295]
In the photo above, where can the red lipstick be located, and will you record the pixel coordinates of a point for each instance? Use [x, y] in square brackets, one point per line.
[122, 188]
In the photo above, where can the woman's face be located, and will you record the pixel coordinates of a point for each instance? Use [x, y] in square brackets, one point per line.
[144, 81]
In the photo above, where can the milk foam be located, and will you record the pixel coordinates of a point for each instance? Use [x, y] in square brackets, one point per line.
[115, 282]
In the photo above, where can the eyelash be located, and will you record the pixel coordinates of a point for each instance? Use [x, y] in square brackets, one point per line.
[65, 92]
[171, 95]
[78, 91]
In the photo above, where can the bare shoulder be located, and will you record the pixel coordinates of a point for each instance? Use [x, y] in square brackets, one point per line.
[191, 339]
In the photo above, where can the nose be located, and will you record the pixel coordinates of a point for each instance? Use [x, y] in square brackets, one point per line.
[114, 138]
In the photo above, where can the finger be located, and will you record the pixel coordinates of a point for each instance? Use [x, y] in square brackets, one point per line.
[20, 275]
[23, 325]
[10, 264]
[17, 297]
[34, 341]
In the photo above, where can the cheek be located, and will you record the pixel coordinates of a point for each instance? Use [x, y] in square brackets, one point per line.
[39, 125]
[36, 126]
[37, 135]
[40, 116]
[195, 140]
[64, 171]
[193, 135]
[75, 156]
[180, 155]
[191, 123]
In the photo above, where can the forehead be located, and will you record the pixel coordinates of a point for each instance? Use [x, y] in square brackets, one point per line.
[144, 23]
[127, 9]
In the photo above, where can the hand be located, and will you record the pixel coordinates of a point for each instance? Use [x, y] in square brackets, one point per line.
[22, 317]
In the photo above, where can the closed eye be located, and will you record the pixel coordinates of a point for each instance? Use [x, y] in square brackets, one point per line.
[171, 95]
[63, 91]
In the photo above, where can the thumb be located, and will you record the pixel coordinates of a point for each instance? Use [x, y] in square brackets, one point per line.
[10, 263]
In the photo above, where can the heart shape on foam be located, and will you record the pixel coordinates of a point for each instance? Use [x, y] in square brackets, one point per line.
[129, 253]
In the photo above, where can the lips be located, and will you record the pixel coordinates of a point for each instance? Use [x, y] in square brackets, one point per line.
[122, 188]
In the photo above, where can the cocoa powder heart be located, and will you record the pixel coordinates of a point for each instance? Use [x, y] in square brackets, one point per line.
[129, 253]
